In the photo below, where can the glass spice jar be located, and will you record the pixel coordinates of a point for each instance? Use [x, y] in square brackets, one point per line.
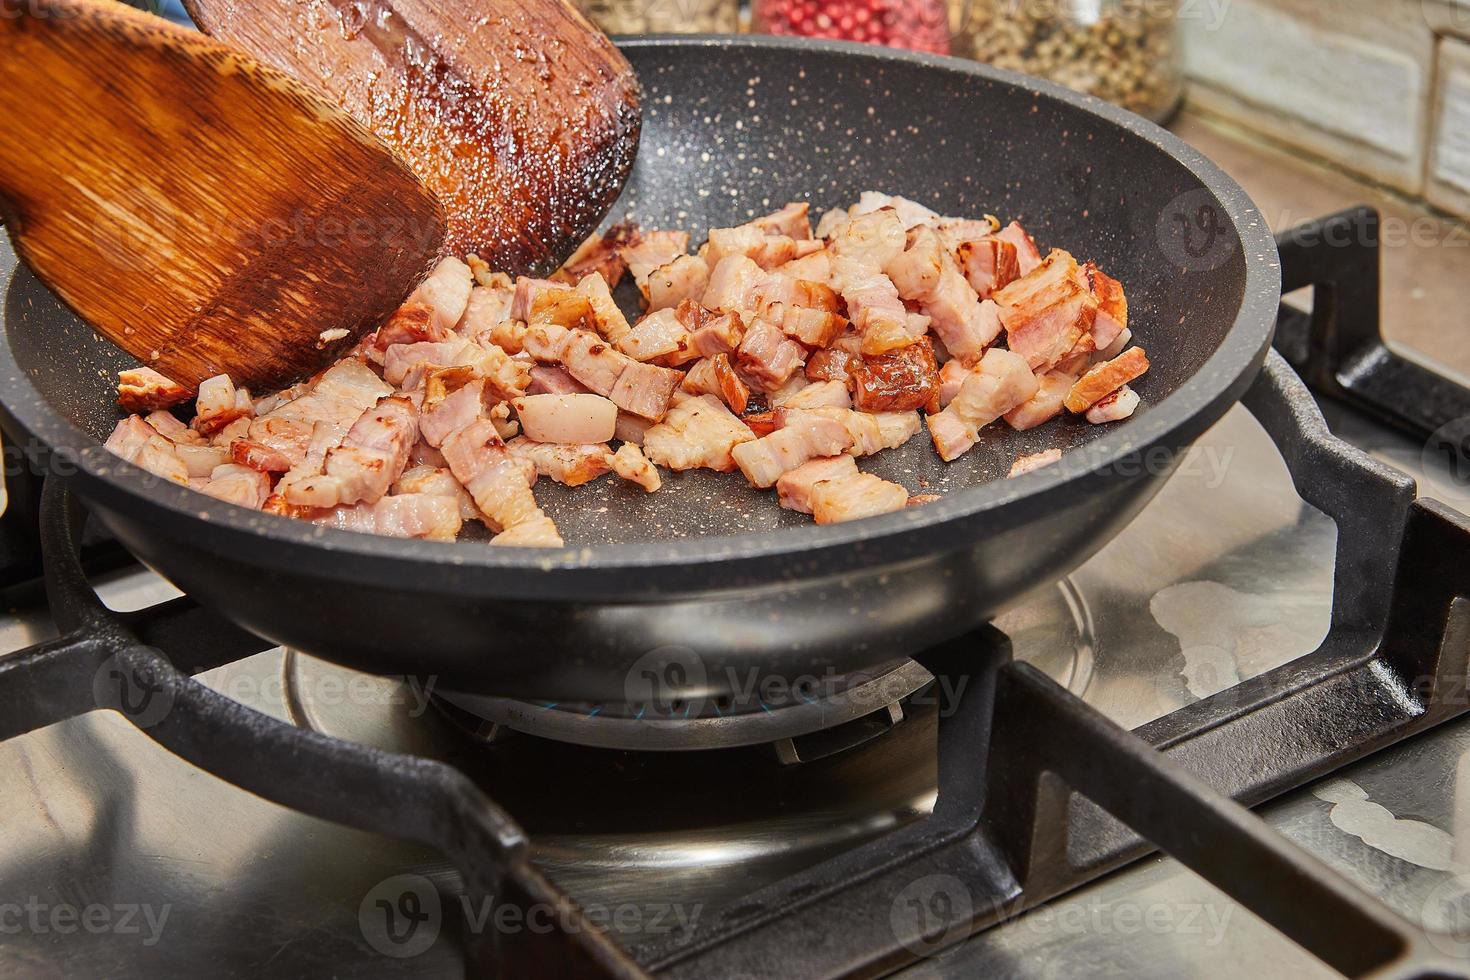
[1125, 51]
[663, 16]
[922, 25]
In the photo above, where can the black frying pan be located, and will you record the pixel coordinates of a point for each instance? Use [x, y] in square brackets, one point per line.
[735, 128]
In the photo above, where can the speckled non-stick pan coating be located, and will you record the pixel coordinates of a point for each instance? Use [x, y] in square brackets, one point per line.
[734, 128]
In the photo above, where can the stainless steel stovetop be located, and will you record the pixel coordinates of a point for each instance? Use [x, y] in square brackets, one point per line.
[119, 859]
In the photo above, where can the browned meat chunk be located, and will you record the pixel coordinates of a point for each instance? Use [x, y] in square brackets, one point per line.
[899, 381]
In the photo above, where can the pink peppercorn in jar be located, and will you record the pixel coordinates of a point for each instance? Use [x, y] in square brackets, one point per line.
[922, 25]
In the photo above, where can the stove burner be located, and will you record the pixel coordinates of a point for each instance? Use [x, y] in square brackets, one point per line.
[806, 719]
[846, 710]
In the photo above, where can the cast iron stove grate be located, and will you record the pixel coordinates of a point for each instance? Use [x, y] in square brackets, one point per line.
[1038, 793]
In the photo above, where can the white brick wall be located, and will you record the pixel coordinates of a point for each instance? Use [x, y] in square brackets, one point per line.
[1448, 185]
[1348, 80]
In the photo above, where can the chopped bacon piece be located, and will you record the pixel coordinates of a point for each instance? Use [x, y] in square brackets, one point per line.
[685, 278]
[1043, 406]
[453, 399]
[767, 357]
[802, 436]
[951, 379]
[599, 255]
[1028, 256]
[404, 365]
[853, 497]
[486, 310]
[436, 481]
[1048, 314]
[168, 425]
[1034, 462]
[258, 456]
[201, 460]
[531, 294]
[870, 433]
[651, 251]
[535, 532]
[792, 291]
[607, 318]
[791, 221]
[766, 251]
[954, 232]
[145, 390]
[287, 438]
[911, 213]
[1107, 378]
[815, 266]
[592, 361]
[446, 291]
[1112, 306]
[794, 488]
[698, 433]
[1001, 382]
[551, 380]
[899, 381]
[499, 483]
[830, 365]
[715, 376]
[920, 500]
[509, 335]
[989, 264]
[660, 337]
[433, 517]
[631, 428]
[574, 419]
[813, 328]
[568, 463]
[760, 423]
[219, 403]
[711, 333]
[645, 390]
[732, 284]
[138, 443]
[239, 485]
[818, 394]
[411, 323]
[926, 273]
[373, 455]
[1114, 349]
[630, 464]
[1116, 407]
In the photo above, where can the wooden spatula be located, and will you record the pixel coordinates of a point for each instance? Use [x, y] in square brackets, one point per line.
[203, 211]
[518, 114]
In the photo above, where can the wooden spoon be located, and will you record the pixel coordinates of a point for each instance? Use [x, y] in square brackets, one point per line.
[203, 211]
[518, 114]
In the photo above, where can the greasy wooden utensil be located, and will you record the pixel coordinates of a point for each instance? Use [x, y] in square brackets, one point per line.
[203, 211]
[518, 114]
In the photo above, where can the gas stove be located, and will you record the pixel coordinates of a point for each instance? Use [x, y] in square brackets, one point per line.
[1285, 610]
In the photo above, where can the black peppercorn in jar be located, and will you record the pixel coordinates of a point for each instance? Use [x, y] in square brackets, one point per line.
[1125, 51]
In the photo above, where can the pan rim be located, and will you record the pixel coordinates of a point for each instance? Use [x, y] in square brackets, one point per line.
[706, 563]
